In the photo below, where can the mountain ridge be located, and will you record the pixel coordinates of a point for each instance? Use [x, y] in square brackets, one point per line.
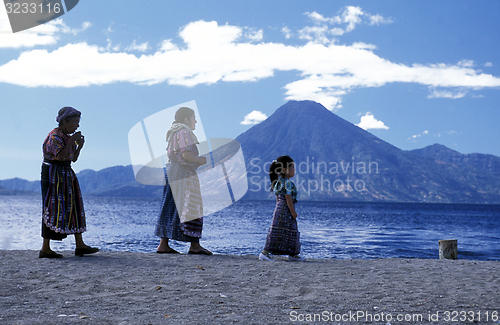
[444, 154]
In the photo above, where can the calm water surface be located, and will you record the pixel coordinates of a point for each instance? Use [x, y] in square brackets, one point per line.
[339, 230]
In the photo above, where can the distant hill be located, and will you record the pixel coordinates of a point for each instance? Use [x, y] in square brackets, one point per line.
[477, 161]
[117, 181]
[19, 184]
[335, 160]
[5, 191]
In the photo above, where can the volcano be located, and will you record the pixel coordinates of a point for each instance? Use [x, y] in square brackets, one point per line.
[337, 160]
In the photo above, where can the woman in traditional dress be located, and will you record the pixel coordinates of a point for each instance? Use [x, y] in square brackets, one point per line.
[63, 212]
[181, 216]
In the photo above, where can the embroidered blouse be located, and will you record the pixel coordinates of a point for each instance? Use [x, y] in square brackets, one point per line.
[180, 142]
[284, 186]
[54, 143]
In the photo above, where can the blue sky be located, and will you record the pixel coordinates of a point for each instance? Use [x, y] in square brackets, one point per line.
[412, 73]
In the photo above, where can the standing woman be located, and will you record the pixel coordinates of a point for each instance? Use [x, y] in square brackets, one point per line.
[182, 221]
[62, 199]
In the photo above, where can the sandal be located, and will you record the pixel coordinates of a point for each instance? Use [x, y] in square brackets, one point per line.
[49, 255]
[202, 251]
[87, 250]
[171, 251]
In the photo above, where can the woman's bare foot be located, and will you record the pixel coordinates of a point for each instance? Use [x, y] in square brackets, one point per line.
[163, 247]
[196, 248]
[80, 244]
[46, 250]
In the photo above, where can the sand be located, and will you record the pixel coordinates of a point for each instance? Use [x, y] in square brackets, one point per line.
[149, 288]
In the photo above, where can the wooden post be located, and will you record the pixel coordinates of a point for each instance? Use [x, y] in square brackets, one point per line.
[448, 249]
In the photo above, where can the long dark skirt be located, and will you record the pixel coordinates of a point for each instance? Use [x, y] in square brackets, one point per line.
[62, 208]
[283, 237]
[169, 224]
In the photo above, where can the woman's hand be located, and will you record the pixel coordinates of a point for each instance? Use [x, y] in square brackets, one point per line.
[191, 157]
[202, 160]
[79, 142]
[78, 139]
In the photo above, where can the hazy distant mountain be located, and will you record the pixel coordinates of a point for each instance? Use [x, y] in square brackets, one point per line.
[335, 160]
[5, 191]
[19, 184]
[117, 181]
[442, 154]
[348, 155]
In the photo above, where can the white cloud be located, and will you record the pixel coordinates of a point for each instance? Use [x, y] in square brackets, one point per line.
[447, 94]
[337, 31]
[364, 46]
[137, 47]
[451, 132]
[41, 35]
[86, 25]
[414, 137]
[368, 121]
[352, 16]
[378, 19]
[212, 53]
[466, 63]
[46, 34]
[167, 45]
[488, 64]
[110, 47]
[317, 34]
[317, 18]
[254, 36]
[287, 32]
[254, 117]
[110, 29]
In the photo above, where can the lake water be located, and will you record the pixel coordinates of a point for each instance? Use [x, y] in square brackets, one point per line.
[341, 230]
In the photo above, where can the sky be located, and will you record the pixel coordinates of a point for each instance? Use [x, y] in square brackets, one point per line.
[412, 73]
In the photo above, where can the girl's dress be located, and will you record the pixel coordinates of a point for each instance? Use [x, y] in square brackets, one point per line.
[63, 212]
[181, 193]
[283, 237]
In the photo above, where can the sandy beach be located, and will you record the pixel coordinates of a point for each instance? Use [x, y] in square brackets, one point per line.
[149, 288]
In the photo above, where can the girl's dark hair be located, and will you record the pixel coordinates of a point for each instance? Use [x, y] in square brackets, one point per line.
[277, 168]
[67, 119]
[183, 113]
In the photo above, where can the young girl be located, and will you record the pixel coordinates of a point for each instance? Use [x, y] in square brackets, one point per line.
[283, 237]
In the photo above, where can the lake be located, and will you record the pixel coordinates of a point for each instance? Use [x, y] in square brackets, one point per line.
[341, 230]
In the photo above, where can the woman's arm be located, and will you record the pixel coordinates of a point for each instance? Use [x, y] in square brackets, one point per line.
[289, 202]
[63, 155]
[182, 142]
[191, 157]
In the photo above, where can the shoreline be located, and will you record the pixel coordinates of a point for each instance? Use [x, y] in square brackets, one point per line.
[148, 288]
[303, 199]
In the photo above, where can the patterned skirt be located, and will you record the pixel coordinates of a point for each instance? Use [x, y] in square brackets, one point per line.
[62, 212]
[283, 237]
[181, 194]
